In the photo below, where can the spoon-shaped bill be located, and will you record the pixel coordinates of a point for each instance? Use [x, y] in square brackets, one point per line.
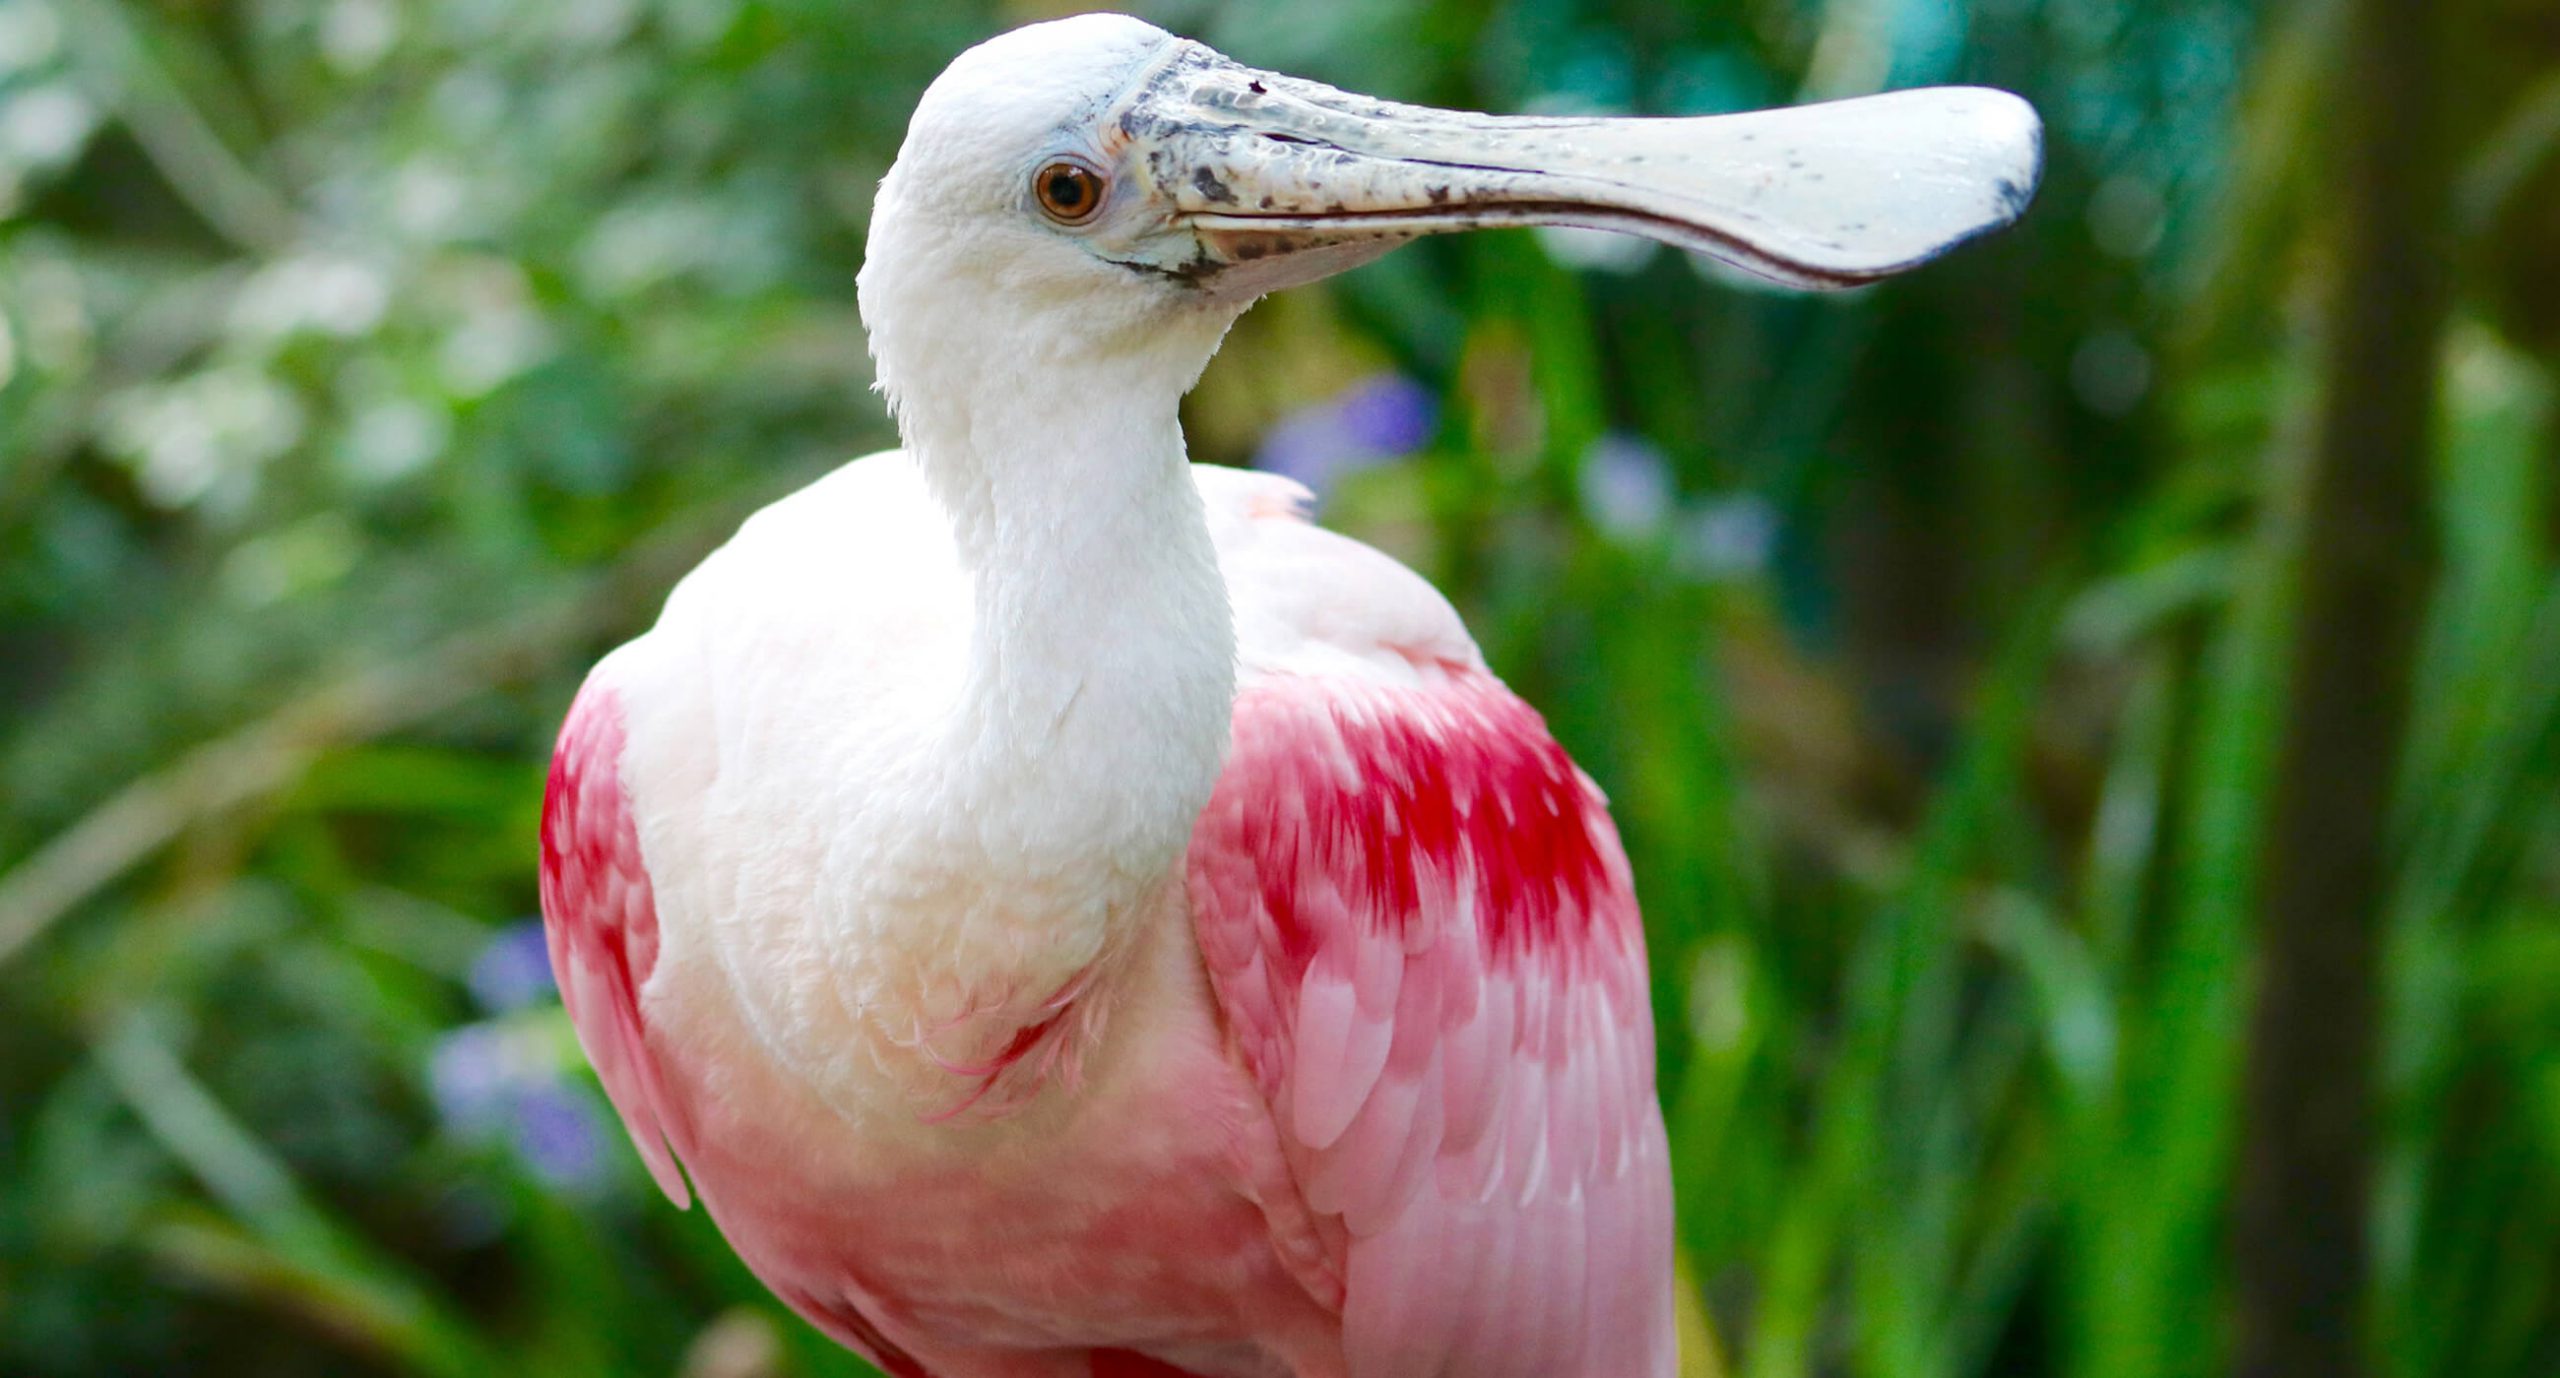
[1263, 166]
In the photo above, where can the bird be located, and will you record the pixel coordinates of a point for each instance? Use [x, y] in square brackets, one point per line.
[1066, 914]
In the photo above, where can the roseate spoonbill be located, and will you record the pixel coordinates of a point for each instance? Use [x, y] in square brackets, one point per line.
[1068, 915]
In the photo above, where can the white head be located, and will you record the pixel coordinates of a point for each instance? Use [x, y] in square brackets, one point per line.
[1095, 189]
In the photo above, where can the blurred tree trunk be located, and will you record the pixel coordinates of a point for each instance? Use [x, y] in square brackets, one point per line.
[2302, 1243]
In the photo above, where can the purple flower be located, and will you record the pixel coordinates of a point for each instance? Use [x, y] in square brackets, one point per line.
[557, 1135]
[500, 1081]
[514, 970]
[472, 1075]
[1626, 486]
[1389, 413]
[1731, 538]
[1376, 420]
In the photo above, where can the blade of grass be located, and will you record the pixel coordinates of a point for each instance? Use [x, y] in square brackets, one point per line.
[276, 1243]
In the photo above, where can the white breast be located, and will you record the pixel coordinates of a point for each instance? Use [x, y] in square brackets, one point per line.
[784, 720]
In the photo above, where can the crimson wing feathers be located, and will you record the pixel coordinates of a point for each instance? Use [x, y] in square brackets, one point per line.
[1420, 930]
[602, 921]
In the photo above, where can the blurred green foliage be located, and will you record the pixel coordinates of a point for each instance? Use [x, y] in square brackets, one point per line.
[367, 368]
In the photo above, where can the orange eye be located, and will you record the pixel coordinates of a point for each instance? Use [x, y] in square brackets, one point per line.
[1069, 193]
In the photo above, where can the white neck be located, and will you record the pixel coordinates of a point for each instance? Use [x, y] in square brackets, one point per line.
[1102, 652]
[1101, 673]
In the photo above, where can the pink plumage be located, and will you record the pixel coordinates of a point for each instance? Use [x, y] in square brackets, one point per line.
[1425, 947]
[1399, 1121]
[602, 923]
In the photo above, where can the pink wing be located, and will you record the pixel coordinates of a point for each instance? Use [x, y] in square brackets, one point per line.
[603, 925]
[603, 922]
[1420, 929]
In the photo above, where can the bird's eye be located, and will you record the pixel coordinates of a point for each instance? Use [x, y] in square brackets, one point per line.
[1069, 193]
